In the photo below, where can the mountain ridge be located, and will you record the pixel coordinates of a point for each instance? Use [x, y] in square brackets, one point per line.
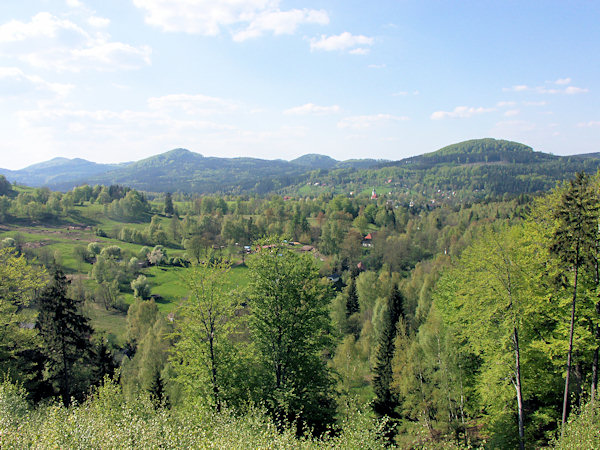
[183, 170]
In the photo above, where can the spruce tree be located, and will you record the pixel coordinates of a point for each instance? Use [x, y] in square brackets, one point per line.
[574, 244]
[169, 209]
[65, 334]
[386, 401]
[352, 305]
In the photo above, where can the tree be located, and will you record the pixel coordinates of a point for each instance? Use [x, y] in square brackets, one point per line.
[19, 282]
[574, 245]
[490, 299]
[290, 326]
[65, 335]
[141, 287]
[169, 209]
[203, 351]
[352, 305]
[385, 401]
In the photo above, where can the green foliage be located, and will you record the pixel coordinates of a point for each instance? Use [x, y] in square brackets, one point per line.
[206, 361]
[64, 334]
[385, 401]
[141, 287]
[19, 282]
[582, 430]
[289, 323]
[107, 420]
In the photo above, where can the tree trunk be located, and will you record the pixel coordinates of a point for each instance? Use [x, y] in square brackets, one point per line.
[570, 352]
[595, 360]
[519, 390]
[213, 364]
[65, 394]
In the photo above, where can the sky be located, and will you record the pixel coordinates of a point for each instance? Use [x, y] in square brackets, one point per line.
[121, 80]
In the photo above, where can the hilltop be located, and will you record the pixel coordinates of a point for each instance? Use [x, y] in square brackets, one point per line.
[488, 165]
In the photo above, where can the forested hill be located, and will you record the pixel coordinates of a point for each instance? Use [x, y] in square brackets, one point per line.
[472, 169]
[181, 170]
[481, 166]
[481, 151]
[57, 171]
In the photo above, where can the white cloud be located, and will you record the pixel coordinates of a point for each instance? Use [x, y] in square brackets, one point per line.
[512, 112]
[342, 42]
[404, 93]
[209, 17]
[74, 3]
[376, 66]
[50, 42]
[460, 112]
[42, 25]
[15, 81]
[281, 22]
[544, 90]
[98, 22]
[505, 104]
[193, 104]
[517, 88]
[368, 121]
[540, 103]
[575, 90]
[311, 108]
[562, 81]
[590, 124]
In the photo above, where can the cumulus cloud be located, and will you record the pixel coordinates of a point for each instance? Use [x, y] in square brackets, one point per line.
[244, 18]
[15, 81]
[281, 22]
[197, 104]
[50, 42]
[311, 108]
[590, 124]
[98, 22]
[512, 112]
[404, 93]
[562, 81]
[575, 90]
[460, 112]
[368, 121]
[569, 90]
[343, 42]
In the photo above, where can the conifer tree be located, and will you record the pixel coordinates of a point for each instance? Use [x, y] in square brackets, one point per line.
[573, 243]
[352, 301]
[65, 334]
[385, 401]
[169, 209]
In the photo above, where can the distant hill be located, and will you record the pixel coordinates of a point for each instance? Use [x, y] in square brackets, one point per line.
[468, 170]
[57, 171]
[180, 170]
[480, 151]
[315, 161]
[485, 166]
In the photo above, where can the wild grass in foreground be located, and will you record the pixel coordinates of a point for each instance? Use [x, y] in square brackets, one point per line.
[107, 420]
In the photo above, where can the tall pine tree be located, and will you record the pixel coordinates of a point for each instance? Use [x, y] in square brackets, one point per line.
[65, 335]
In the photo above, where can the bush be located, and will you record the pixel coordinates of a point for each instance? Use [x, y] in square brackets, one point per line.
[582, 430]
[94, 248]
[13, 406]
[112, 251]
[141, 287]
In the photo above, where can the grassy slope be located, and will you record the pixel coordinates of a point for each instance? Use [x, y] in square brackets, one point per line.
[56, 238]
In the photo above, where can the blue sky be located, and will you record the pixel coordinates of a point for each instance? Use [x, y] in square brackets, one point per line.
[120, 80]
